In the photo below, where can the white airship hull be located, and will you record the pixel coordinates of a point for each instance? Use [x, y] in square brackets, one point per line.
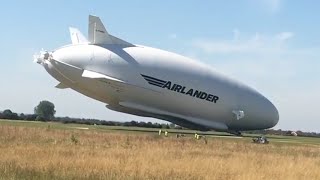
[150, 82]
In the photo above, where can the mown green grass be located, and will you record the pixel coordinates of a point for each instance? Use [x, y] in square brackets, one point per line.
[122, 129]
[57, 125]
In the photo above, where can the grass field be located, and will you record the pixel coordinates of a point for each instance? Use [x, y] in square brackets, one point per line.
[37, 150]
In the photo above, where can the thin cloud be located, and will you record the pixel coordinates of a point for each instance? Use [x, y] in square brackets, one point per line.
[173, 36]
[272, 6]
[285, 36]
[236, 34]
[254, 44]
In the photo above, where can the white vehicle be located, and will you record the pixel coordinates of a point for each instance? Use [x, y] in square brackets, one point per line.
[150, 82]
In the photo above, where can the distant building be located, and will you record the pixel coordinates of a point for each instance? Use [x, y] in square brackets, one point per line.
[293, 133]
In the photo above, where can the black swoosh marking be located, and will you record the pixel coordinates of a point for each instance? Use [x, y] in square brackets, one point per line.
[155, 84]
[152, 78]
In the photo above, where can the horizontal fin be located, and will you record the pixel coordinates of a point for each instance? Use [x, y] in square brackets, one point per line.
[95, 75]
[61, 86]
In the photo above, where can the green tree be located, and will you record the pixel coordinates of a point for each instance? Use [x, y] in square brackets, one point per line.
[45, 110]
[8, 114]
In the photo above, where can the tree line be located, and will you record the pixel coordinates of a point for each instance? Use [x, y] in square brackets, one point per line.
[8, 114]
[45, 111]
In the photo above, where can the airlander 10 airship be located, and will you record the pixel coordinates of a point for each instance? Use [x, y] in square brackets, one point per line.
[150, 82]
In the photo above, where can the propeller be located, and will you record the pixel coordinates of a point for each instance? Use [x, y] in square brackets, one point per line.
[42, 56]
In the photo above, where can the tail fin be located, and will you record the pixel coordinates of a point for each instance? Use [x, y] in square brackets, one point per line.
[76, 36]
[98, 34]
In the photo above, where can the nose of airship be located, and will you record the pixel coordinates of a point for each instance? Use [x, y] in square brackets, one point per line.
[265, 112]
[271, 114]
[259, 112]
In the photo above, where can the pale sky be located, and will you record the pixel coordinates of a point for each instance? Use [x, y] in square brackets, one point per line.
[271, 45]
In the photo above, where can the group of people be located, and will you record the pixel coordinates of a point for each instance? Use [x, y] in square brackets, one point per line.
[196, 136]
[165, 133]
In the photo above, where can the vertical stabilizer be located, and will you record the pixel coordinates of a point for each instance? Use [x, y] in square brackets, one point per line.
[76, 36]
[98, 34]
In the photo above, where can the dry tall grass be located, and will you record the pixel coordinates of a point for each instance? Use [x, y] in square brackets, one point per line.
[40, 153]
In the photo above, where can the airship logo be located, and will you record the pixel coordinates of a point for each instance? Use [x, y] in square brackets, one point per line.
[181, 89]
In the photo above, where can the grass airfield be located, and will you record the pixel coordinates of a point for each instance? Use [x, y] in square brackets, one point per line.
[38, 150]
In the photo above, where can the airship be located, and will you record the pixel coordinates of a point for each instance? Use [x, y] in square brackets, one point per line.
[150, 82]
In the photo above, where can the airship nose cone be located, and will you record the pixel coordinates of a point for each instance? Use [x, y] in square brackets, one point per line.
[273, 114]
[267, 113]
[259, 112]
